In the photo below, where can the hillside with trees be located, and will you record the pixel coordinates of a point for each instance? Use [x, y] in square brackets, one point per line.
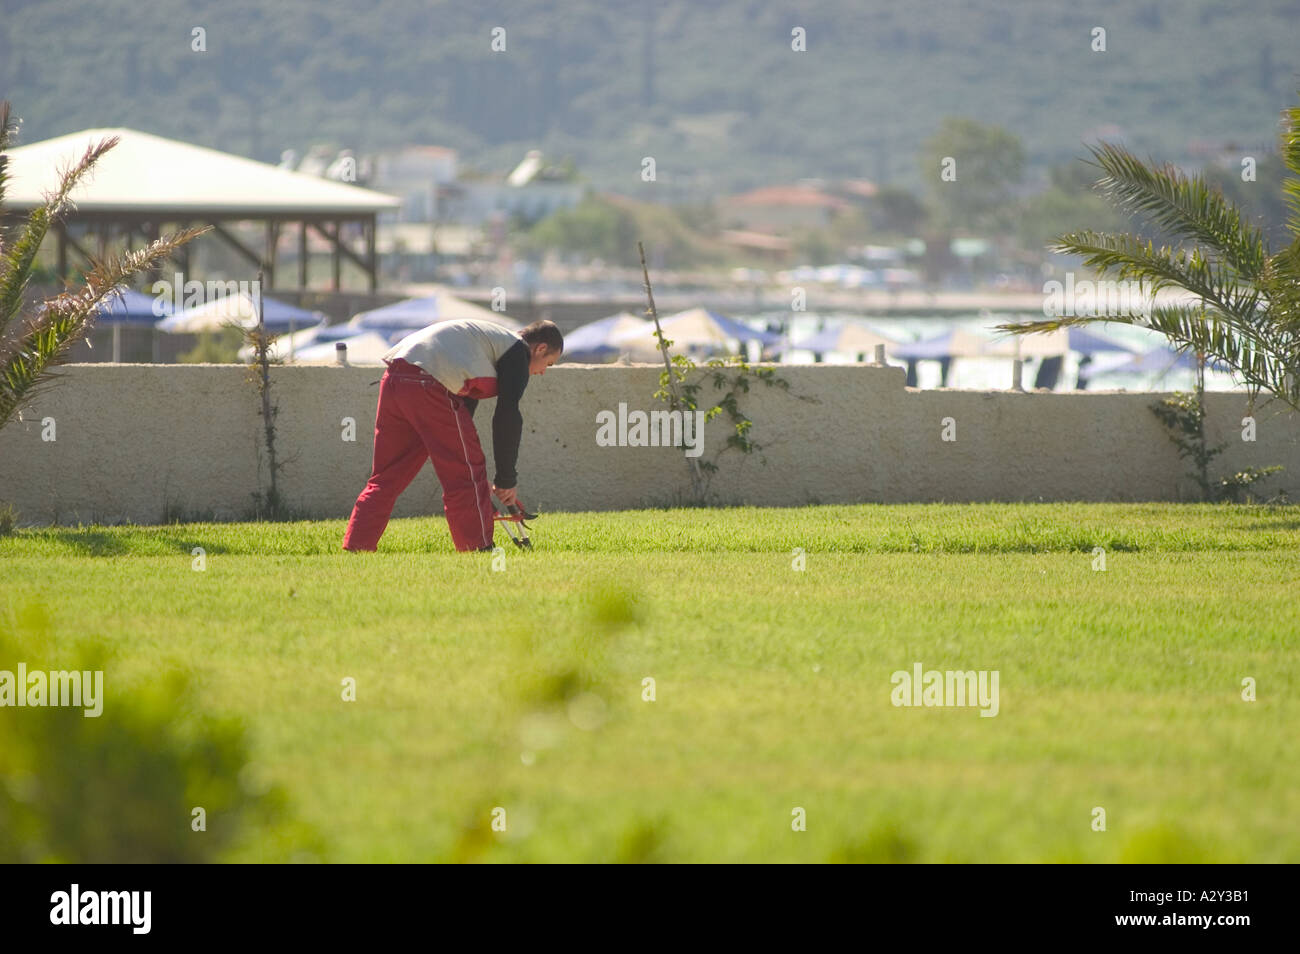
[714, 92]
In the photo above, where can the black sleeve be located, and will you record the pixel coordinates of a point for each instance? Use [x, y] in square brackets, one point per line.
[507, 422]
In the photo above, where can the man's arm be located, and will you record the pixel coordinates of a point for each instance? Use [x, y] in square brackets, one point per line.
[507, 422]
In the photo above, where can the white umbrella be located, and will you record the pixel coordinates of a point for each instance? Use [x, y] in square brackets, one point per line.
[953, 343]
[1041, 344]
[1048, 344]
[241, 310]
[416, 313]
[365, 348]
[638, 343]
[850, 337]
[287, 347]
[696, 328]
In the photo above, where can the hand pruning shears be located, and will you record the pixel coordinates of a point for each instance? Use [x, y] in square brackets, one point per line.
[515, 514]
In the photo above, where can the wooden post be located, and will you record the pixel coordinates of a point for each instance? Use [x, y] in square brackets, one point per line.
[261, 357]
[372, 250]
[151, 231]
[337, 280]
[302, 254]
[63, 250]
[184, 254]
[272, 241]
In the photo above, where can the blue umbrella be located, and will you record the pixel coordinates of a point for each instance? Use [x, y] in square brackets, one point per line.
[126, 306]
[240, 309]
[846, 338]
[287, 346]
[415, 313]
[129, 307]
[954, 343]
[1089, 342]
[697, 331]
[1053, 344]
[1156, 361]
[332, 333]
[594, 342]
[741, 332]
[702, 327]
[279, 314]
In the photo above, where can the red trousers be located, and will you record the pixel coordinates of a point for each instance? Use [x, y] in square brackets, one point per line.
[418, 420]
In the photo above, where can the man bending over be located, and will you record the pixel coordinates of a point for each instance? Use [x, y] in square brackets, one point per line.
[435, 379]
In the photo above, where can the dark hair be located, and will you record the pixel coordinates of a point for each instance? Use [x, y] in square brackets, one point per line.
[544, 332]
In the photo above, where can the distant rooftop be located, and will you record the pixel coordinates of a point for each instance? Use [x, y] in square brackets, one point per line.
[756, 240]
[146, 173]
[438, 151]
[860, 187]
[786, 195]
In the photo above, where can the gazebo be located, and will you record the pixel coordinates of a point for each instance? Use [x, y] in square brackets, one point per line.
[146, 183]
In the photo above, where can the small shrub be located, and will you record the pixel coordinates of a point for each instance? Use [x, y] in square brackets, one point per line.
[1183, 416]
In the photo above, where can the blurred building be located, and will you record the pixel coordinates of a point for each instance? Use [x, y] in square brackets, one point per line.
[416, 175]
[781, 208]
[531, 191]
[433, 188]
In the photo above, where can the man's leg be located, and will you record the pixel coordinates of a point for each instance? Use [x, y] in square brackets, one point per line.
[451, 442]
[399, 455]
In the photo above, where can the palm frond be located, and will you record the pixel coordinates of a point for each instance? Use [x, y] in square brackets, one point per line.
[1251, 351]
[7, 130]
[16, 265]
[1289, 147]
[1185, 207]
[1179, 323]
[1132, 258]
[1248, 314]
[1280, 284]
[26, 359]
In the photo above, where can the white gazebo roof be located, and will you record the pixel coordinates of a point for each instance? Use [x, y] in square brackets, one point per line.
[148, 174]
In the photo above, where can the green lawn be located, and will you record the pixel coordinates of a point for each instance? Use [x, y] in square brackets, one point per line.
[523, 688]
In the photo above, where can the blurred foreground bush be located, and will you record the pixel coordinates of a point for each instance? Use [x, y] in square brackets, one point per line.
[123, 786]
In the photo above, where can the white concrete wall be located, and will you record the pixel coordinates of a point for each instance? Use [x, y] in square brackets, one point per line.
[132, 440]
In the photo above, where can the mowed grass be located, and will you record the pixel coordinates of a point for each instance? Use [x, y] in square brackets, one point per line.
[524, 688]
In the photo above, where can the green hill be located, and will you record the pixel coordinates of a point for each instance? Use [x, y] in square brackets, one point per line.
[713, 91]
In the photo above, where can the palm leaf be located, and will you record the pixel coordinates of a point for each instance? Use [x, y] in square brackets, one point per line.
[1132, 258]
[25, 360]
[1248, 316]
[7, 129]
[1185, 207]
[1280, 283]
[16, 265]
[1250, 350]
[1290, 151]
